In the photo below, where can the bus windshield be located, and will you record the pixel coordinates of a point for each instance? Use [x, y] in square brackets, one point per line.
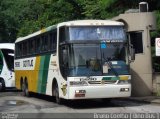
[9, 58]
[97, 33]
[89, 59]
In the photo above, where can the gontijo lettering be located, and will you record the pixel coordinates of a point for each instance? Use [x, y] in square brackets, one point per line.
[28, 63]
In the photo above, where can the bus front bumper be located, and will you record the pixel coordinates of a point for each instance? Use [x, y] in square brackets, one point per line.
[94, 92]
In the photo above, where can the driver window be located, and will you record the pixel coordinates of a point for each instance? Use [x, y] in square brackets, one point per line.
[63, 60]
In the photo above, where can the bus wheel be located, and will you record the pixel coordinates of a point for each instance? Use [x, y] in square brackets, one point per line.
[2, 85]
[57, 98]
[25, 89]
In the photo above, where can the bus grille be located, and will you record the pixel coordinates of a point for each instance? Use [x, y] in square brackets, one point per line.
[103, 82]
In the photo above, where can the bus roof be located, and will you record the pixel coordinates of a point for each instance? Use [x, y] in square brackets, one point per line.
[73, 23]
[91, 23]
[7, 46]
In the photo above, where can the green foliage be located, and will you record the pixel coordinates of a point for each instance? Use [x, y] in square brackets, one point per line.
[9, 19]
[155, 60]
[21, 17]
[158, 22]
[40, 14]
[99, 9]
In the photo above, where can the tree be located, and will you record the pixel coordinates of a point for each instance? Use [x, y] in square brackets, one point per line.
[99, 9]
[9, 21]
[21, 17]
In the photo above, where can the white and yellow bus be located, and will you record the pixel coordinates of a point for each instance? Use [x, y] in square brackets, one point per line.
[83, 59]
[7, 79]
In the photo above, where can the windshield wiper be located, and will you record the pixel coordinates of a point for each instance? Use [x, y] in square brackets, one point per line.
[110, 65]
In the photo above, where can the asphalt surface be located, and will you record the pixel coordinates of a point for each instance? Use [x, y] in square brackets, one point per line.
[12, 101]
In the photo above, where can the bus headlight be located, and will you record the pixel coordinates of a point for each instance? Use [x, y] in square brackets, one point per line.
[124, 90]
[78, 83]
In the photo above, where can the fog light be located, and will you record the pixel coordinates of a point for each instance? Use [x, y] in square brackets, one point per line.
[124, 89]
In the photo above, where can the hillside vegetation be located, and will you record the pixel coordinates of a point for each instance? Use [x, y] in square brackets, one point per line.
[22, 17]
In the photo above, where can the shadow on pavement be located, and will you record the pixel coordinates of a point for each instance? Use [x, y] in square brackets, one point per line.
[86, 104]
[93, 103]
[11, 90]
[80, 104]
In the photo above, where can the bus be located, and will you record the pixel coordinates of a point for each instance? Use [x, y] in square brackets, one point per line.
[7, 79]
[81, 59]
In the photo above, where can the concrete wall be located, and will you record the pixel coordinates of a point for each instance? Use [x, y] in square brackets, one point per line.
[141, 68]
[156, 84]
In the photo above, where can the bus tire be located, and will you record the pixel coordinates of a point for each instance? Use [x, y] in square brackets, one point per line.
[25, 89]
[21, 84]
[2, 85]
[57, 98]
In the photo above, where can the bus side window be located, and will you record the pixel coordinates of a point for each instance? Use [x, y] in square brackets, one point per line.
[24, 48]
[45, 43]
[64, 60]
[62, 34]
[20, 50]
[38, 45]
[32, 46]
[41, 45]
[9, 58]
[53, 41]
[16, 50]
[28, 48]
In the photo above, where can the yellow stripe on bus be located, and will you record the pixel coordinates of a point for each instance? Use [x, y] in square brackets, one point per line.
[30, 75]
[17, 80]
[34, 85]
[123, 77]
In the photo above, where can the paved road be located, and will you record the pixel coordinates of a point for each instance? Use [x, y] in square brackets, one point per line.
[12, 101]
